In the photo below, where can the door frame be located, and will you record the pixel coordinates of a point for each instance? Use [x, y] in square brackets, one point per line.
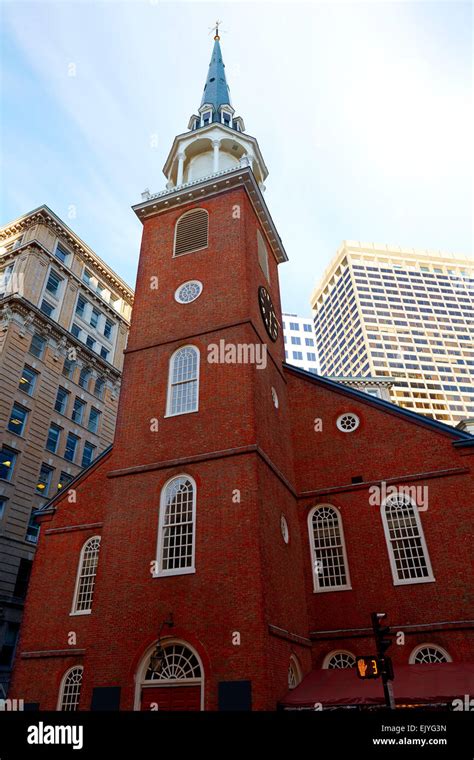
[143, 664]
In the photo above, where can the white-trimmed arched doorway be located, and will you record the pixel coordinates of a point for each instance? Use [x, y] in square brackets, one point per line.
[178, 686]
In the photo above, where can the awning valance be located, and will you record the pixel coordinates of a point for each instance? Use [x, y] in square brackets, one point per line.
[413, 684]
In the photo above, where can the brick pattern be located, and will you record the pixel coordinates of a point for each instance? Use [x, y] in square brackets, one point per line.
[247, 578]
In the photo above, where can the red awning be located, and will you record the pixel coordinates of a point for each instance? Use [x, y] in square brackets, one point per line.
[413, 684]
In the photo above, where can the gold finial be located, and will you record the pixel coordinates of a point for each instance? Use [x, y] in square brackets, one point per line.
[217, 25]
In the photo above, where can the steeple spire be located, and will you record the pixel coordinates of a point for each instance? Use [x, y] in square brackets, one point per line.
[216, 90]
[216, 140]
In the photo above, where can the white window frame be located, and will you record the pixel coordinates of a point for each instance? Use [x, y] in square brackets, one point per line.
[160, 573]
[169, 396]
[419, 647]
[348, 414]
[75, 598]
[183, 284]
[295, 665]
[328, 658]
[54, 300]
[316, 588]
[195, 250]
[63, 684]
[229, 113]
[65, 249]
[406, 581]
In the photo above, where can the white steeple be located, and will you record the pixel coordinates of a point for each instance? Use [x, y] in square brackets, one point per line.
[216, 140]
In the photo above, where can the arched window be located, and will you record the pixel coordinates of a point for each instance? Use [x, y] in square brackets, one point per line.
[183, 384]
[99, 387]
[86, 573]
[177, 527]
[427, 653]
[339, 659]
[406, 544]
[328, 551]
[84, 378]
[294, 672]
[70, 690]
[178, 682]
[191, 232]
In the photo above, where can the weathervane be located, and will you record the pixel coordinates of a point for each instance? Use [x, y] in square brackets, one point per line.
[215, 29]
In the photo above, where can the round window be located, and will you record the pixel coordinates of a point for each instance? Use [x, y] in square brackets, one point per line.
[348, 422]
[188, 291]
[284, 529]
[275, 398]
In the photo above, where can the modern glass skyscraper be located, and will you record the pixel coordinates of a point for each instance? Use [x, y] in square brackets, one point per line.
[300, 341]
[403, 313]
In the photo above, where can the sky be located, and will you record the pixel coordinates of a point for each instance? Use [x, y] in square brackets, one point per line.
[362, 110]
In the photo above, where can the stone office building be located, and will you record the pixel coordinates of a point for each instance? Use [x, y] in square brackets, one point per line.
[64, 320]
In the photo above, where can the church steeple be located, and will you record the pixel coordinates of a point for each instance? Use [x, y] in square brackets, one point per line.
[216, 140]
[216, 90]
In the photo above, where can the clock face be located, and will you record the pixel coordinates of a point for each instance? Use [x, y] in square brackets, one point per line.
[268, 313]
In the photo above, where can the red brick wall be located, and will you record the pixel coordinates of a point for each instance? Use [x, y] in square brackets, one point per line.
[247, 578]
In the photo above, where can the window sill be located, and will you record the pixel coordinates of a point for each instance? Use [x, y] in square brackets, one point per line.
[414, 581]
[332, 589]
[80, 612]
[170, 573]
[180, 414]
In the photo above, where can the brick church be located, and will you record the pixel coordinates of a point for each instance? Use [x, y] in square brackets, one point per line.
[228, 550]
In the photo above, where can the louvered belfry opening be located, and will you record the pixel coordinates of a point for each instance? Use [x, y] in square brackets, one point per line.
[191, 232]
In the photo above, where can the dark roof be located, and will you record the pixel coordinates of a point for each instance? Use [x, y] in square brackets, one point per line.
[216, 90]
[460, 436]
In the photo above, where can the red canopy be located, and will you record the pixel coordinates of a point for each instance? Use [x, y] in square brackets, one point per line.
[413, 684]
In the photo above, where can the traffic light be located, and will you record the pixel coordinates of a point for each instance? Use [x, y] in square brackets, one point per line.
[381, 633]
[368, 666]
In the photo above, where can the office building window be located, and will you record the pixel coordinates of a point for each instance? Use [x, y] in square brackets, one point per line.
[64, 480]
[17, 421]
[52, 441]
[94, 318]
[28, 380]
[32, 531]
[88, 454]
[37, 346]
[47, 308]
[71, 446]
[7, 463]
[84, 378]
[78, 410]
[53, 283]
[80, 306]
[108, 328]
[60, 404]
[68, 368]
[44, 480]
[94, 417]
[61, 254]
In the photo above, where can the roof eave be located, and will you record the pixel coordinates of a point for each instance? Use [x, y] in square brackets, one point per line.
[208, 186]
[460, 436]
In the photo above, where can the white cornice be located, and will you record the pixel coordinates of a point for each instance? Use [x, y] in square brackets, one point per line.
[208, 186]
[44, 215]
